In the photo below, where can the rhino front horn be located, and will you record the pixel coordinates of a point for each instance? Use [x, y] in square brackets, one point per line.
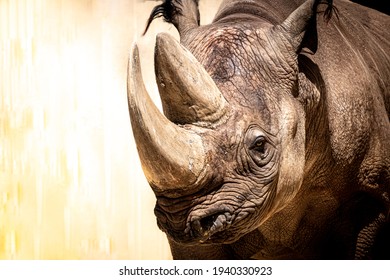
[188, 93]
[172, 157]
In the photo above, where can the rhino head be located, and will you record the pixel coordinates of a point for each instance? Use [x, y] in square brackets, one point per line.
[229, 150]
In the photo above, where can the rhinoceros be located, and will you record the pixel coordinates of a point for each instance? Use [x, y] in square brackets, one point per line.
[274, 140]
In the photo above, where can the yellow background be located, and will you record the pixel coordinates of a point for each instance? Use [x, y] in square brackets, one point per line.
[71, 186]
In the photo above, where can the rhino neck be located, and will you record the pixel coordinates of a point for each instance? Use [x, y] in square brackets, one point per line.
[312, 95]
[311, 85]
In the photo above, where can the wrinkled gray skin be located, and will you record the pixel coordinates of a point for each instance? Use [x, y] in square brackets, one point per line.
[299, 165]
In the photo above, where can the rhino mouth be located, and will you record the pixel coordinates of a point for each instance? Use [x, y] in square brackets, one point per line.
[198, 223]
[219, 217]
[205, 228]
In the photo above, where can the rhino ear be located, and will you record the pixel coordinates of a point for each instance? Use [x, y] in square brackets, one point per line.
[300, 27]
[183, 14]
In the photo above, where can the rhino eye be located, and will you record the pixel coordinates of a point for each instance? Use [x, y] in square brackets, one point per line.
[259, 145]
[260, 151]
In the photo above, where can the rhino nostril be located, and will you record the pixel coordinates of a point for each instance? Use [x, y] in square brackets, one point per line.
[208, 222]
[197, 229]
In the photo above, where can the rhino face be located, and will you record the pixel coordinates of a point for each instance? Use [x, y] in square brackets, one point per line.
[243, 188]
[228, 152]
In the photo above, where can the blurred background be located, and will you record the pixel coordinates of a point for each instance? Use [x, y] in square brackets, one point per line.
[71, 185]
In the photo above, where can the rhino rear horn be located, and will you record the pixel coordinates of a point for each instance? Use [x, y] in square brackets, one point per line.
[188, 93]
